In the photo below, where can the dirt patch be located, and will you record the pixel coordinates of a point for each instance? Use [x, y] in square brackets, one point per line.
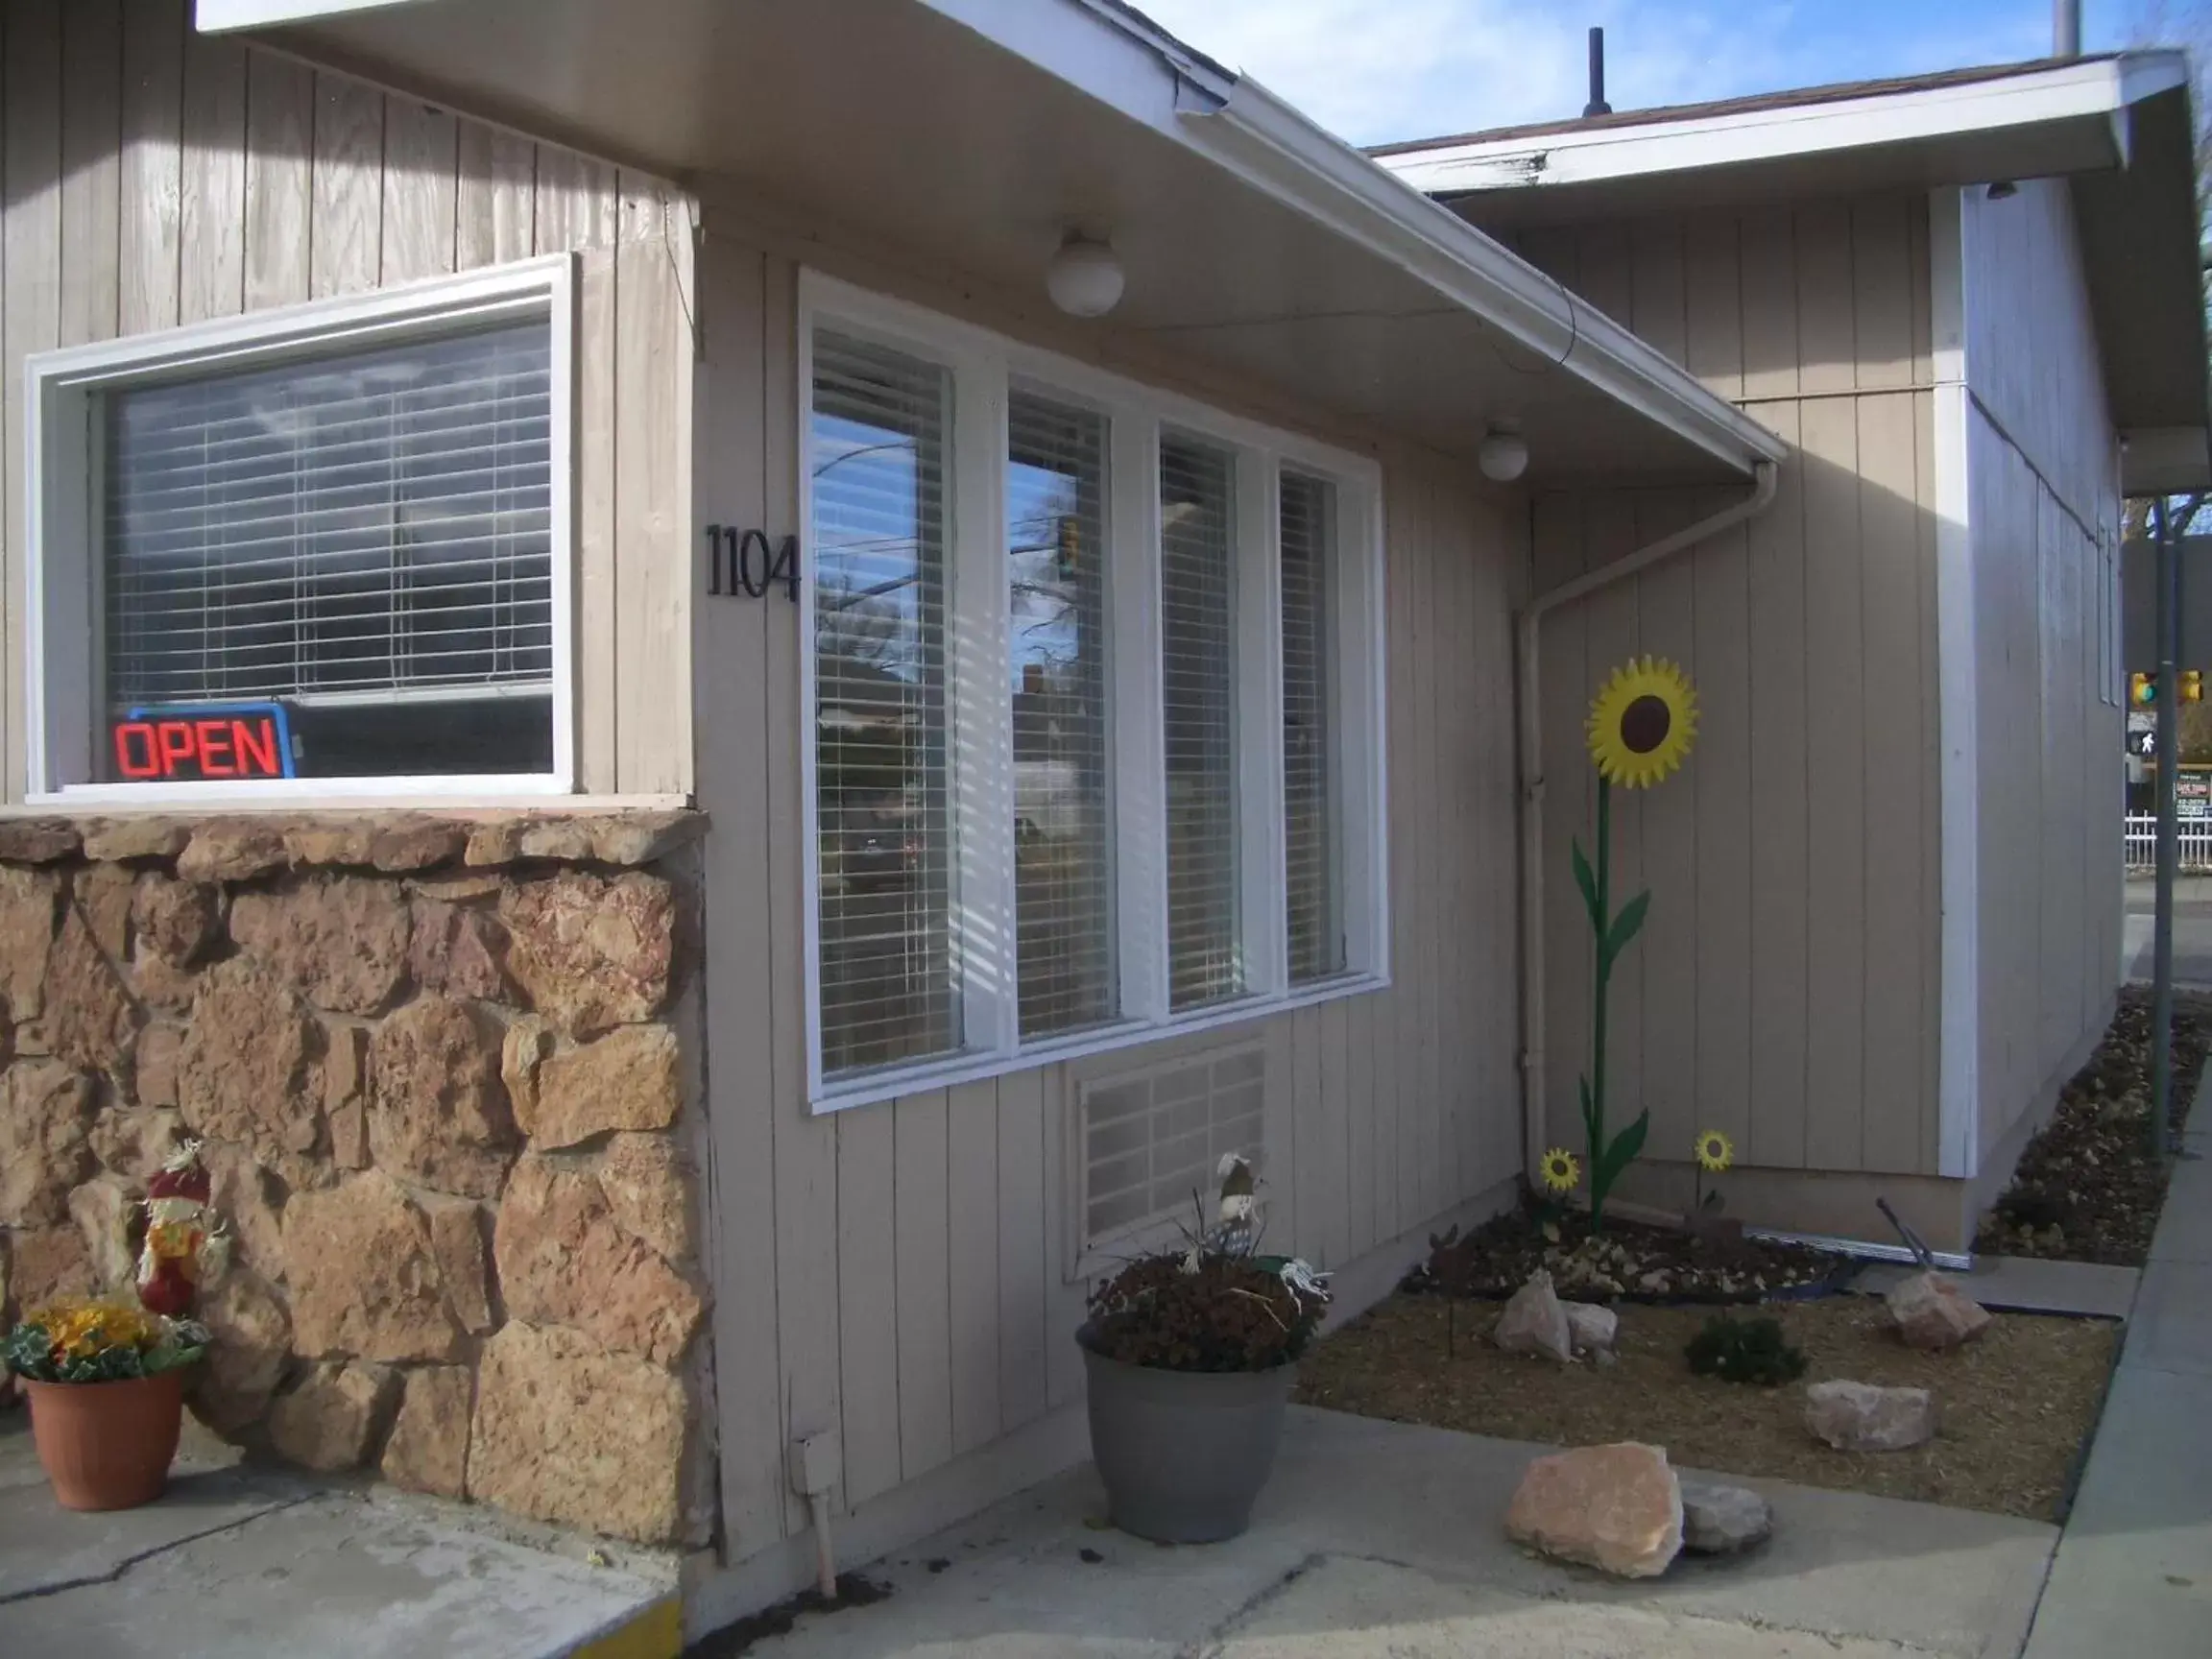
[2087, 1187]
[2014, 1407]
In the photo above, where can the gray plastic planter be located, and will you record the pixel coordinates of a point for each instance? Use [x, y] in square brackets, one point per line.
[1184, 1454]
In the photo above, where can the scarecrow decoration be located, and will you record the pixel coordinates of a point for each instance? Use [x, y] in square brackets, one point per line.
[1642, 724]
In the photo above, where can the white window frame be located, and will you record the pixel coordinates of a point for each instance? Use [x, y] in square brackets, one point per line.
[983, 365]
[62, 583]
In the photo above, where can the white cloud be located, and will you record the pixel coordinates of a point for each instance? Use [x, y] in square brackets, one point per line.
[1377, 70]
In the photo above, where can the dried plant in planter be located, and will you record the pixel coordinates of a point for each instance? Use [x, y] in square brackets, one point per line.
[1215, 1304]
[1189, 1356]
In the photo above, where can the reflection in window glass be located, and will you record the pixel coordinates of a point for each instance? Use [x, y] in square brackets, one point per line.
[1055, 569]
[365, 538]
[1309, 521]
[1198, 678]
[878, 463]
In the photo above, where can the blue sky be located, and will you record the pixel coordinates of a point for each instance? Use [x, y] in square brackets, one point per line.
[1378, 70]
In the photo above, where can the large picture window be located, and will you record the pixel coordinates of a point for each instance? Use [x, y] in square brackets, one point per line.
[1096, 750]
[321, 549]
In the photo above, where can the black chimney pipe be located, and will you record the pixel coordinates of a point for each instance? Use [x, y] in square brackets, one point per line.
[1597, 104]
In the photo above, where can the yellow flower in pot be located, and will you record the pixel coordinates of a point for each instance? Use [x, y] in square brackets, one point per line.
[105, 1380]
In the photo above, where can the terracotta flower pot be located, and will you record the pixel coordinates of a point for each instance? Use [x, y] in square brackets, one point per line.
[107, 1445]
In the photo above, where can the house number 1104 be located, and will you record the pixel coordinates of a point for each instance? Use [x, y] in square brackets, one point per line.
[745, 562]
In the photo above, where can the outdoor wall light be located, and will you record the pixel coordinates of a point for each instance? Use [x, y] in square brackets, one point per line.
[1085, 277]
[2002, 190]
[1503, 456]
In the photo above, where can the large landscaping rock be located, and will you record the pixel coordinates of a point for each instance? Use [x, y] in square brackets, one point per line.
[1724, 1519]
[1931, 1312]
[1862, 1417]
[1591, 1328]
[566, 1432]
[1535, 1322]
[1617, 1509]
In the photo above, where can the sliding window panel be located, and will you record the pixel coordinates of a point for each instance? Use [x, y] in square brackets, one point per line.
[1199, 655]
[1312, 833]
[1056, 580]
[878, 463]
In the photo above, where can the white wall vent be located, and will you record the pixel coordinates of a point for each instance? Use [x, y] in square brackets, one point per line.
[1146, 1138]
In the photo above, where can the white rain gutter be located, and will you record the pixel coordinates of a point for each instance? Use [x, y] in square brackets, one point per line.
[1276, 150]
[1528, 636]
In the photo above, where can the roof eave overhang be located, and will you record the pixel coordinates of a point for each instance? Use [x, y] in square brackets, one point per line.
[2072, 114]
[1274, 148]
[2119, 129]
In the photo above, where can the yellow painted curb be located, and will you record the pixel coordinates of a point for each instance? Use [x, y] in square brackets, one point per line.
[656, 1633]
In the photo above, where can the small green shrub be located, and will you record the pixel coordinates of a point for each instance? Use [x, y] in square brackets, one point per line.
[1745, 1351]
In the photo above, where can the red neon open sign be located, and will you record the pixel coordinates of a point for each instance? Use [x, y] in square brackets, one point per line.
[202, 745]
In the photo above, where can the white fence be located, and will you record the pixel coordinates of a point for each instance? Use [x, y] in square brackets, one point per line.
[2143, 842]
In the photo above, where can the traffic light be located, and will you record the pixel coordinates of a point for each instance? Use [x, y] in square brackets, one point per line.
[2142, 691]
[2192, 686]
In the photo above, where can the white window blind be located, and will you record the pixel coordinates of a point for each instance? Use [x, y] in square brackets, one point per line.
[878, 460]
[1062, 854]
[1308, 544]
[360, 536]
[1198, 680]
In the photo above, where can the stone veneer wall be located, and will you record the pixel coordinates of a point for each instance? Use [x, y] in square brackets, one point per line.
[443, 1071]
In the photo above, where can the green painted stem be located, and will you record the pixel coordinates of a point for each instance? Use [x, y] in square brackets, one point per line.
[1604, 919]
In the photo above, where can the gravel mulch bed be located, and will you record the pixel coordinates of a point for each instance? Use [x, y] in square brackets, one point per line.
[1630, 1260]
[2087, 1189]
[2014, 1405]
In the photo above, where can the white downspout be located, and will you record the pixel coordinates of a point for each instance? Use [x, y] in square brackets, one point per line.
[1527, 633]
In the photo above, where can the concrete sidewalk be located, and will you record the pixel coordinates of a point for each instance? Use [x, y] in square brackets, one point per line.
[235, 1561]
[1384, 1539]
[2133, 1575]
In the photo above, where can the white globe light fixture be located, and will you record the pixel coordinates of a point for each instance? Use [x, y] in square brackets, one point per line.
[1503, 456]
[1084, 279]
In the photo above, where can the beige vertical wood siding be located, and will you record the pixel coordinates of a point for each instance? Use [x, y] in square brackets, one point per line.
[897, 1274]
[1784, 989]
[155, 178]
[2043, 483]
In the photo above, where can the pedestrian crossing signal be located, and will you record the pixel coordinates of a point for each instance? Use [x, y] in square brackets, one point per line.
[2192, 686]
[2142, 691]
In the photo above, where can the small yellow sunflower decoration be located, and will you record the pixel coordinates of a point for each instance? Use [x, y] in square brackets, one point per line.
[1560, 1169]
[1714, 1150]
[1642, 723]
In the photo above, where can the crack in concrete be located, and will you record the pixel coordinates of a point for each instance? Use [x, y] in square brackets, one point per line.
[39, 1592]
[1213, 1643]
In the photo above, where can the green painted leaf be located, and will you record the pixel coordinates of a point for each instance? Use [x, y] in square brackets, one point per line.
[1589, 885]
[1627, 925]
[1589, 1116]
[1623, 1152]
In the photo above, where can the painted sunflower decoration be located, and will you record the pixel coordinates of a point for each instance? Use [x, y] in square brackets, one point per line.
[1716, 1153]
[1643, 723]
[1560, 1169]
